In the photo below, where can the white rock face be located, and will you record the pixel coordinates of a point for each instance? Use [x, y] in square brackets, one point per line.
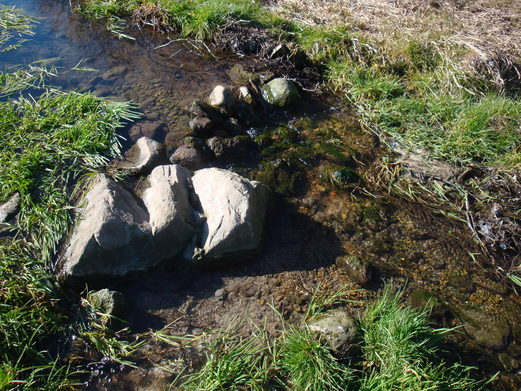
[235, 210]
[117, 234]
[111, 231]
[171, 216]
[221, 97]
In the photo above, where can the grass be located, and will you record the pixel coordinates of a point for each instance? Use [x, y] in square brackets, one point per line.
[400, 351]
[51, 140]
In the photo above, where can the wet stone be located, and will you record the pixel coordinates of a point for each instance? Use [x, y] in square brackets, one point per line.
[108, 302]
[202, 109]
[152, 130]
[143, 156]
[114, 72]
[282, 93]
[238, 75]
[357, 268]
[231, 148]
[488, 330]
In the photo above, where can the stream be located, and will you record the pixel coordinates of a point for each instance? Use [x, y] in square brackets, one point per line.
[311, 223]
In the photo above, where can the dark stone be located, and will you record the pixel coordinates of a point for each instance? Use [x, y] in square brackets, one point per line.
[238, 75]
[344, 176]
[190, 157]
[489, 330]
[280, 51]
[202, 109]
[201, 126]
[358, 269]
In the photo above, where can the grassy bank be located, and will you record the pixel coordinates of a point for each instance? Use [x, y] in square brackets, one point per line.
[51, 139]
[431, 92]
[396, 349]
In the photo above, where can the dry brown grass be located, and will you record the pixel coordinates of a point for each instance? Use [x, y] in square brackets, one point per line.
[487, 25]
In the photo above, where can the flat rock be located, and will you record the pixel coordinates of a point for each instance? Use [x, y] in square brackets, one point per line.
[235, 210]
[110, 233]
[143, 156]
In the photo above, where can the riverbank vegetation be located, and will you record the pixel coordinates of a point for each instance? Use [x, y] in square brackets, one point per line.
[396, 349]
[51, 140]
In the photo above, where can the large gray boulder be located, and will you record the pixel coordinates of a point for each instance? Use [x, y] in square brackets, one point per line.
[235, 210]
[110, 234]
[171, 216]
[281, 92]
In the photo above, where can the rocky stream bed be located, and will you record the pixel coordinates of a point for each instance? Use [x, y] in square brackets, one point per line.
[325, 228]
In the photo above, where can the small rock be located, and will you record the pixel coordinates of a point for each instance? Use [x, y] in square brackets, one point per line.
[245, 95]
[338, 328]
[222, 97]
[143, 156]
[190, 157]
[280, 51]
[221, 294]
[344, 177]
[108, 302]
[281, 92]
[9, 208]
[201, 126]
[238, 75]
[358, 269]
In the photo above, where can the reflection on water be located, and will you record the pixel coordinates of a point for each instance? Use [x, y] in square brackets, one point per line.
[162, 82]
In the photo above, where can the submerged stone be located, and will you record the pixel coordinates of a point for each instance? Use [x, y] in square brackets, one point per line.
[359, 269]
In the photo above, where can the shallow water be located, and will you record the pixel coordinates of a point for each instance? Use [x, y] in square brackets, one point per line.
[307, 229]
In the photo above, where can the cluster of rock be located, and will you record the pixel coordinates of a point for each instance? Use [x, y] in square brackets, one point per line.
[218, 124]
[181, 216]
[187, 212]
